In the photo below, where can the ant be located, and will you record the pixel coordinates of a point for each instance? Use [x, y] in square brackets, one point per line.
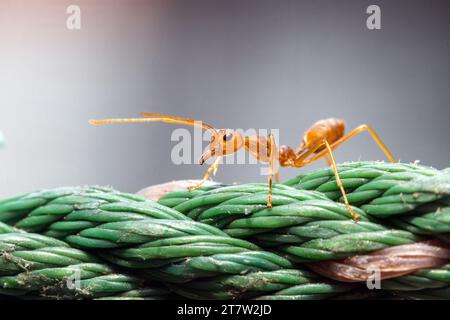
[318, 142]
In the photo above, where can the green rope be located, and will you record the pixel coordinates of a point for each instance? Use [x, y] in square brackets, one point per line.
[363, 181]
[181, 252]
[285, 284]
[32, 264]
[36, 211]
[408, 196]
[133, 233]
[422, 279]
[418, 196]
[196, 241]
[302, 224]
[430, 219]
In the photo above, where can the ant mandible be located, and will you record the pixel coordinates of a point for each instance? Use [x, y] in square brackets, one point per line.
[318, 142]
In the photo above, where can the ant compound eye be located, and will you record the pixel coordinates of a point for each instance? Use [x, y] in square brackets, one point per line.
[228, 136]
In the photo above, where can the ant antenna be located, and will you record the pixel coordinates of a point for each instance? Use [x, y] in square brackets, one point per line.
[155, 117]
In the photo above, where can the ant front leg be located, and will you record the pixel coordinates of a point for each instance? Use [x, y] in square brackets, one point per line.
[212, 169]
[302, 161]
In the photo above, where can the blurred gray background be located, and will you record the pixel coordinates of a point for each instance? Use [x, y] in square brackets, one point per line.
[239, 64]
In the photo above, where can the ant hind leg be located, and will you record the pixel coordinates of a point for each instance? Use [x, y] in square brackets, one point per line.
[339, 182]
[303, 160]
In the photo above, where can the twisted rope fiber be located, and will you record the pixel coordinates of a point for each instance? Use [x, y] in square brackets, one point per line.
[192, 256]
[346, 226]
[50, 219]
[426, 185]
[413, 197]
[107, 201]
[363, 181]
[305, 225]
[435, 278]
[32, 264]
[424, 284]
[84, 220]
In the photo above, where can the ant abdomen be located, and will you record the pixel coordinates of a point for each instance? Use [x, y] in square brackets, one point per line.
[330, 129]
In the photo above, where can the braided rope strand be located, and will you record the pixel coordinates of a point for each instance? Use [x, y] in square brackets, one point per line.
[38, 265]
[213, 242]
[177, 251]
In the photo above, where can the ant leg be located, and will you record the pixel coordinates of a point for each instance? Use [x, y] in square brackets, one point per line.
[212, 169]
[299, 162]
[273, 160]
[356, 131]
[300, 148]
[327, 160]
[303, 160]
[375, 137]
[277, 177]
[339, 182]
[265, 150]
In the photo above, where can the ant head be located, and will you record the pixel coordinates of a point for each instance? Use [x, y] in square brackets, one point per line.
[223, 142]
